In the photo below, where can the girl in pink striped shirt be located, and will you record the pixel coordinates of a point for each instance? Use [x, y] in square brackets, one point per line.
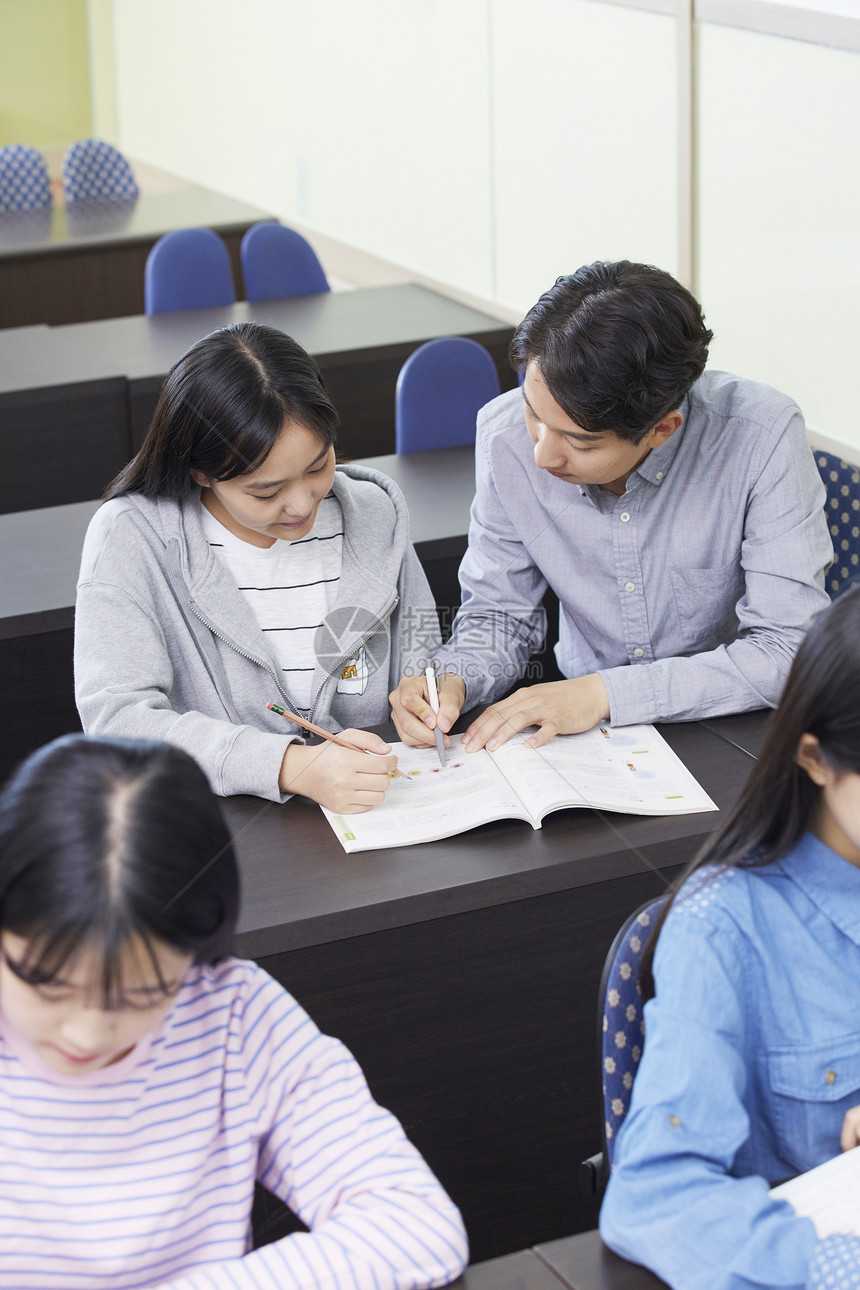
[147, 1079]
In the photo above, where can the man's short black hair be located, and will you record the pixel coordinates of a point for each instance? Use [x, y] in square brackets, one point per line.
[617, 345]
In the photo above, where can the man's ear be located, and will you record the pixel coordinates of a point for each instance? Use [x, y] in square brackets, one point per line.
[808, 758]
[199, 478]
[665, 428]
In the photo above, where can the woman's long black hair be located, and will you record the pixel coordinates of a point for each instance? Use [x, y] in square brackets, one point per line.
[104, 842]
[822, 698]
[222, 409]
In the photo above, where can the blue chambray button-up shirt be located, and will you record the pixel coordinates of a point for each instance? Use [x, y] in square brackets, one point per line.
[751, 1059]
[689, 594]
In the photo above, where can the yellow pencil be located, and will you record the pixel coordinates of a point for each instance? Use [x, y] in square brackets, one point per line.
[326, 734]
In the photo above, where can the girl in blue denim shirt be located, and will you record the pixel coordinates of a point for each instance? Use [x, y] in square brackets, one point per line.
[751, 1068]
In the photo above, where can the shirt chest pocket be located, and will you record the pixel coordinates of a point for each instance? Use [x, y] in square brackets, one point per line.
[705, 600]
[812, 1087]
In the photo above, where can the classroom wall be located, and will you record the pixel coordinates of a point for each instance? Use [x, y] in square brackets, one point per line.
[489, 145]
[779, 216]
[44, 72]
[102, 69]
[451, 136]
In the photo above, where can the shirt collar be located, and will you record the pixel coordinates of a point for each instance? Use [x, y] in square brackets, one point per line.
[657, 464]
[830, 882]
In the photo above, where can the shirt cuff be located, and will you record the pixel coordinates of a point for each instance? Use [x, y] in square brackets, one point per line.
[474, 675]
[631, 695]
[835, 1263]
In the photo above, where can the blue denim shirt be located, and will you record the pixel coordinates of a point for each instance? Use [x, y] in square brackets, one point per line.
[751, 1059]
[690, 593]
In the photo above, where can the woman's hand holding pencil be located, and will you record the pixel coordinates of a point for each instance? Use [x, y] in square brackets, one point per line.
[338, 774]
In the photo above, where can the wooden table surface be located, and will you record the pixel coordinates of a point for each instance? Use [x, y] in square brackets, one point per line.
[68, 263]
[57, 230]
[583, 1262]
[521, 1271]
[580, 1262]
[301, 889]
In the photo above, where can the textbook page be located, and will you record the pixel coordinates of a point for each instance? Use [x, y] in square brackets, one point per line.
[829, 1195]
[630, 769]
[434, 802]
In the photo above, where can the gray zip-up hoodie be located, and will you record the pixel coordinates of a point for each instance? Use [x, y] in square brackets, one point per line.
[166, 646]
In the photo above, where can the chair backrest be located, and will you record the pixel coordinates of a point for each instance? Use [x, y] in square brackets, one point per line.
[24, 181]
[94, 169]
[278, 262]
[842, 508]
[622, 1028]
[440, 389]
[188, 269]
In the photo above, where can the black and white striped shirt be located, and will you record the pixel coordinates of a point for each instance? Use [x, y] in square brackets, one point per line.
[289, 588]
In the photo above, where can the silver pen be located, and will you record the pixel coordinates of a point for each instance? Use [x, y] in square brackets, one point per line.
[433, 694]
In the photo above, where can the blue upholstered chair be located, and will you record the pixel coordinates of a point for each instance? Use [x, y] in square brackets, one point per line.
[842, 509]
[188, 269]
[440, 389]
[24, 181]
[93, 169]
[621, 1030]
[278, 262]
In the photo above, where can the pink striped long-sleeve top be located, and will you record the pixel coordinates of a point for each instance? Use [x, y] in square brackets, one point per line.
[142, 1174]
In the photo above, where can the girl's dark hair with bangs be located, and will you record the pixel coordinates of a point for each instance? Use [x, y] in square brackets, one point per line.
[775, 808]
[103, 841]
[222, 410]
[617, 344]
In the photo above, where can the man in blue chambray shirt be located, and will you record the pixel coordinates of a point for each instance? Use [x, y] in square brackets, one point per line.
[677, 514]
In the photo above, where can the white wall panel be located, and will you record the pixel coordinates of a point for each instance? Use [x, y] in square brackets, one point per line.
[585, 136]
[779, 217]
[368, 122]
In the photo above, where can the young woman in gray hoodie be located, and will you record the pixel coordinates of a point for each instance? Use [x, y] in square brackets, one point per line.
[233, 564]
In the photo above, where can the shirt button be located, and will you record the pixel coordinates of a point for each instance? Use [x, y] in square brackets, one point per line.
[659, 474]
[624, 516]
[675, 1121]
[830, 1077]
[630, 586]
[638, 653]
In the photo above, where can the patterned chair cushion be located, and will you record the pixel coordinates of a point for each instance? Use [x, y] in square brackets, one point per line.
[623, 1024]
[842, 508]
[93, 169]
[24, 182]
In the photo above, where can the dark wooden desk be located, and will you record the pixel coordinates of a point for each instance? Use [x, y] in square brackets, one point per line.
[464, 976]
[584, 1263]
[521, 1271]
[745, 730]
[580, 1262]
[71, 263]
[81, 397]
[439, 487]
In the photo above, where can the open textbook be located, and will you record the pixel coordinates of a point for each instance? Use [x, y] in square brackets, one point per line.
[628, 768]
[829, 1195]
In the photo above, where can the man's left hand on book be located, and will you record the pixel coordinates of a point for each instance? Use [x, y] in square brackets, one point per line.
[556, 708]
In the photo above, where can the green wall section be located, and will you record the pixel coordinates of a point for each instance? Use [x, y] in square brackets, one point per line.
[44, 72]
